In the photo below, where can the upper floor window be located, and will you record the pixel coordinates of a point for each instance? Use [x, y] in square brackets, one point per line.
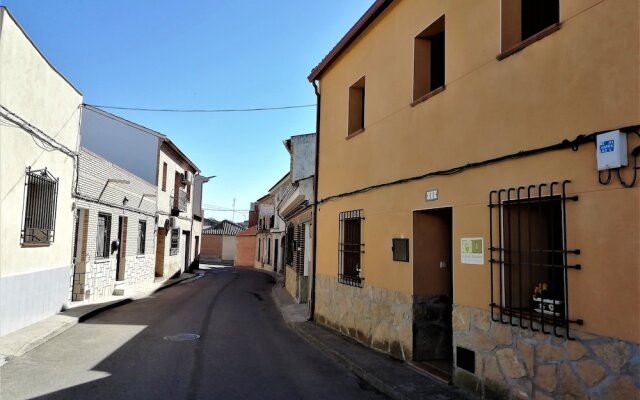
[164, 176]
[428, 68]
[41, 194]
[356, 106]
[525, 20]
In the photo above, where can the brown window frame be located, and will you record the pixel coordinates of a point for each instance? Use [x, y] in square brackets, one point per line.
[357, 106]
[429, 61]
[164, 176]
[518, 28]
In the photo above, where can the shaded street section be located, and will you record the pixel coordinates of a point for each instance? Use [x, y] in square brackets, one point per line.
[244, 351]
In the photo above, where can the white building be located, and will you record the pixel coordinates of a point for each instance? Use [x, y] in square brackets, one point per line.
[39, 117]
[270, 237]
[153, 157]
[114, 239]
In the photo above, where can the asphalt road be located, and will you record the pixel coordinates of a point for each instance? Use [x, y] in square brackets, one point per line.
[245, 351]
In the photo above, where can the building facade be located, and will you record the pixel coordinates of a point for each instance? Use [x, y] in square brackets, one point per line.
[39, 118]
[154, 158]
[296, 210]
[114, 246]
[463, 222]
[270, 231]
[219, 243]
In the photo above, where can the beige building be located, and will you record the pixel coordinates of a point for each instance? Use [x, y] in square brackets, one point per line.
[39, 118]
[467, 218]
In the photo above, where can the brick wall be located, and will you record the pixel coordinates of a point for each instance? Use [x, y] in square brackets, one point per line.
[245, 251]
[211, 248]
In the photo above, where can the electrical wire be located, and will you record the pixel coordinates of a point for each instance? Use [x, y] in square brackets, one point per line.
[204, 110]
[565, 144]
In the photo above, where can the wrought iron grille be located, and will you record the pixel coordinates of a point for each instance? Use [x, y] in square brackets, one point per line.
[175, 242]
[350, 248]
[41, 196]
[142, 236]
[529, 257]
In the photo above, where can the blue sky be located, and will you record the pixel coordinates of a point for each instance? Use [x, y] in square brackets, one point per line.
[199, 54]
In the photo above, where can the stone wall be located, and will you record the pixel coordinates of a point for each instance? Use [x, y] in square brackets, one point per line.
[376, 317]
[516, 363]
[297, 285]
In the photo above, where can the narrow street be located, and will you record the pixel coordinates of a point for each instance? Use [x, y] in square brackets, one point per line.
[244, 351]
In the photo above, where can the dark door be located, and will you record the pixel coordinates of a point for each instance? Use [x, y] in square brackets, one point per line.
[162, 235]
[275, 255]
[187, 250]
[122, 251]
[433, 287]
[196, 257]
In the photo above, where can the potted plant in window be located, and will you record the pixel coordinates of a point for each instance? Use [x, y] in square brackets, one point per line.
[544, 303]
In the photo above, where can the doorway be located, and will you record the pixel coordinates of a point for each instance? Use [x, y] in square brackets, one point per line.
[121, 261]
[275, 255]
[433, 291]
[162, 235]
[186, 242]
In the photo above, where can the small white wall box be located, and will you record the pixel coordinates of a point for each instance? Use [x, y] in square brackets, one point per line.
[611, 150]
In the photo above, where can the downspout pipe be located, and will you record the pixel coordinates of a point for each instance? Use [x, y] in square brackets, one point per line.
[312, 297]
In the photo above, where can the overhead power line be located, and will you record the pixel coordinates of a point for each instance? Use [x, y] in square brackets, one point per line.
[203, 110]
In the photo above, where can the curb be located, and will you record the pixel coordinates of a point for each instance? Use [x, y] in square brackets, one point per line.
[73, 321]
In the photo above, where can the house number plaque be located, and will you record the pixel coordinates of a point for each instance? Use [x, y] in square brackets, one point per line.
[431, 195]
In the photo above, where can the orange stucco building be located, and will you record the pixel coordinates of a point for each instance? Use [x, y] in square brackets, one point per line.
[462, 221]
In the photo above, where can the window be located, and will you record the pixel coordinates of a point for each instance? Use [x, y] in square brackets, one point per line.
[41, 195]
[529, 265]
[103, 236]
[290, 243]
[356, 107]
[175, 242]
[269, 251]
[523, 21]
[350, 248]
[142, 235]
[164, 176]
[428, 67]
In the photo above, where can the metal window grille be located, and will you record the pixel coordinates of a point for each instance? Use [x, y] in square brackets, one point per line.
[175, 242]
[290, 245]
[41, 195]
[529, 258]
[103, 235]
[298, 250]
[142, 236]
[350, 248]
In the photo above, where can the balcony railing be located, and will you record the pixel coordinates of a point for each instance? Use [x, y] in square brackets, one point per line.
[179, 203]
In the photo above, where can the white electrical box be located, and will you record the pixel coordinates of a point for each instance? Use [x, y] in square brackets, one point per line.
[611, 150]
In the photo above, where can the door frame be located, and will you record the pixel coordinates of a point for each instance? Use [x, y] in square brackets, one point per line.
[121, 260]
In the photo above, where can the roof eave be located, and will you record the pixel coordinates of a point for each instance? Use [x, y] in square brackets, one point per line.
[363, 23]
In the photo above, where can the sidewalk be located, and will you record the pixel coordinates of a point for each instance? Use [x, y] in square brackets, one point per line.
[392, 377]
[28, 338]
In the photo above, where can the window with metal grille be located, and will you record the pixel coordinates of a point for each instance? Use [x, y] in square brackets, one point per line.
[350, 248]
[529, 257]
[41, 195]
[290, 245]
[103, 235]
[142, 235]
[298, 250]
[175, 242]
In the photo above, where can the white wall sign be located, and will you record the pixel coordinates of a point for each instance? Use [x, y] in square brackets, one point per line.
[431, 195]
[472, 251]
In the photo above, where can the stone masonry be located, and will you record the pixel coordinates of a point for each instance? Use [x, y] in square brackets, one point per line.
[379, 318]
[515, 363]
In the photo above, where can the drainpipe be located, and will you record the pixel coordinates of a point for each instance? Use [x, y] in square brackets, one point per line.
[312, 297]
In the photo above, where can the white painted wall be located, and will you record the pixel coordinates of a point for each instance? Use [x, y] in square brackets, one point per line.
[130, 146]
[33, 281]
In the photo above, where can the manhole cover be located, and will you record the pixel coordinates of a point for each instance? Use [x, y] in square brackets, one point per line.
[181, 337]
